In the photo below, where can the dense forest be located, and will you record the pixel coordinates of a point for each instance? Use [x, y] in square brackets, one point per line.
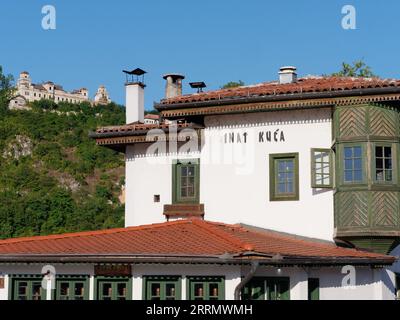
[53, 177]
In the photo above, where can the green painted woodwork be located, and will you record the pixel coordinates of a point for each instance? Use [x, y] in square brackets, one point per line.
[72, 288]
[27, 287]
[186, 181]
[274, 194]
[161, 288]
[206, 288]
[267, 288]
[380, 245]
[321, 169]
[367, 213]
[113, 288]
[313, 289]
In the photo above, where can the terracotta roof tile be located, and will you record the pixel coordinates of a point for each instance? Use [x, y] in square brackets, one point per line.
[191, 237]
[303, 85]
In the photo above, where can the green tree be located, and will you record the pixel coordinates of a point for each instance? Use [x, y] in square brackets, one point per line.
[358, 69]
[233, 84]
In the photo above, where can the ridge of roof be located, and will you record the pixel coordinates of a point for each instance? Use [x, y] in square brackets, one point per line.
[92, 233]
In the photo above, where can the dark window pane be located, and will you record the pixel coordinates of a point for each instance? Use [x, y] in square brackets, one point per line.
[170, 290]
[107, 289]
[379, 163]
[388, 163]
[64, 288]
[213, 290]
[199, 290]
[79, 289]
[121, 289]
[388, 152]
[378, 151]
[155, 289]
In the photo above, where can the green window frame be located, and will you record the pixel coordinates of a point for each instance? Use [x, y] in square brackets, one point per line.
[27, 287]
[313, 288]
[113, 288]
[267, 288]
[383, 163]
[321, 168]
[284, 176]
[186, 181]
[162, 288]
[72, 287]
[206, 287]
[353, 158]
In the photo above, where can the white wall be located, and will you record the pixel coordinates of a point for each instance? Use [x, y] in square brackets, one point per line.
[370, 283]
[234, 177]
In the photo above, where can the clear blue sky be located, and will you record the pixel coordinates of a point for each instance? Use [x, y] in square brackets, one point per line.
[208, 40]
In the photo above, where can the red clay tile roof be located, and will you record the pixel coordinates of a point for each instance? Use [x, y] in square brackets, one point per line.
[303, 85]
[134, 127]
[152, 116]
[192, 237]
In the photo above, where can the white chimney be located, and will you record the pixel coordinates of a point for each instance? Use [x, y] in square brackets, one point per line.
[173, 86]
[287, 74]
[134, 102]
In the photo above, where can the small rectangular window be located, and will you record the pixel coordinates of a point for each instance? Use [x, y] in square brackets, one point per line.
[162, 288]
[353, 164]
[383, 164]
[313, 289]
[270, 288]
[28, 289]
[321, 168]
[284, 177]
[186, 177]
[114, 288]
[206, 288]
[68, 288]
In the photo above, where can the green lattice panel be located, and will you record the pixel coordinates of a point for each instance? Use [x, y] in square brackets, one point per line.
[385, 209]
[382, 122]
[352, 209]
[352, 122]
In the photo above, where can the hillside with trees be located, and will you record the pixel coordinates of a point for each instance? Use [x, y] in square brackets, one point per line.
[53, 178]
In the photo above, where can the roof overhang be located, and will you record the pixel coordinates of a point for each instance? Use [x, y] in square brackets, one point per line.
[181, 259]
[278, 102]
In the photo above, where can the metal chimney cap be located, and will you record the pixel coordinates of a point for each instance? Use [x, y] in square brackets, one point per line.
[174, 76]
[288, 68]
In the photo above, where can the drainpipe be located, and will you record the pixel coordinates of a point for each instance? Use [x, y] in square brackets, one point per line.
[246, 279]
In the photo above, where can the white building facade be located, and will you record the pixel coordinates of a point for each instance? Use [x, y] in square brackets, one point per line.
[26, 91]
